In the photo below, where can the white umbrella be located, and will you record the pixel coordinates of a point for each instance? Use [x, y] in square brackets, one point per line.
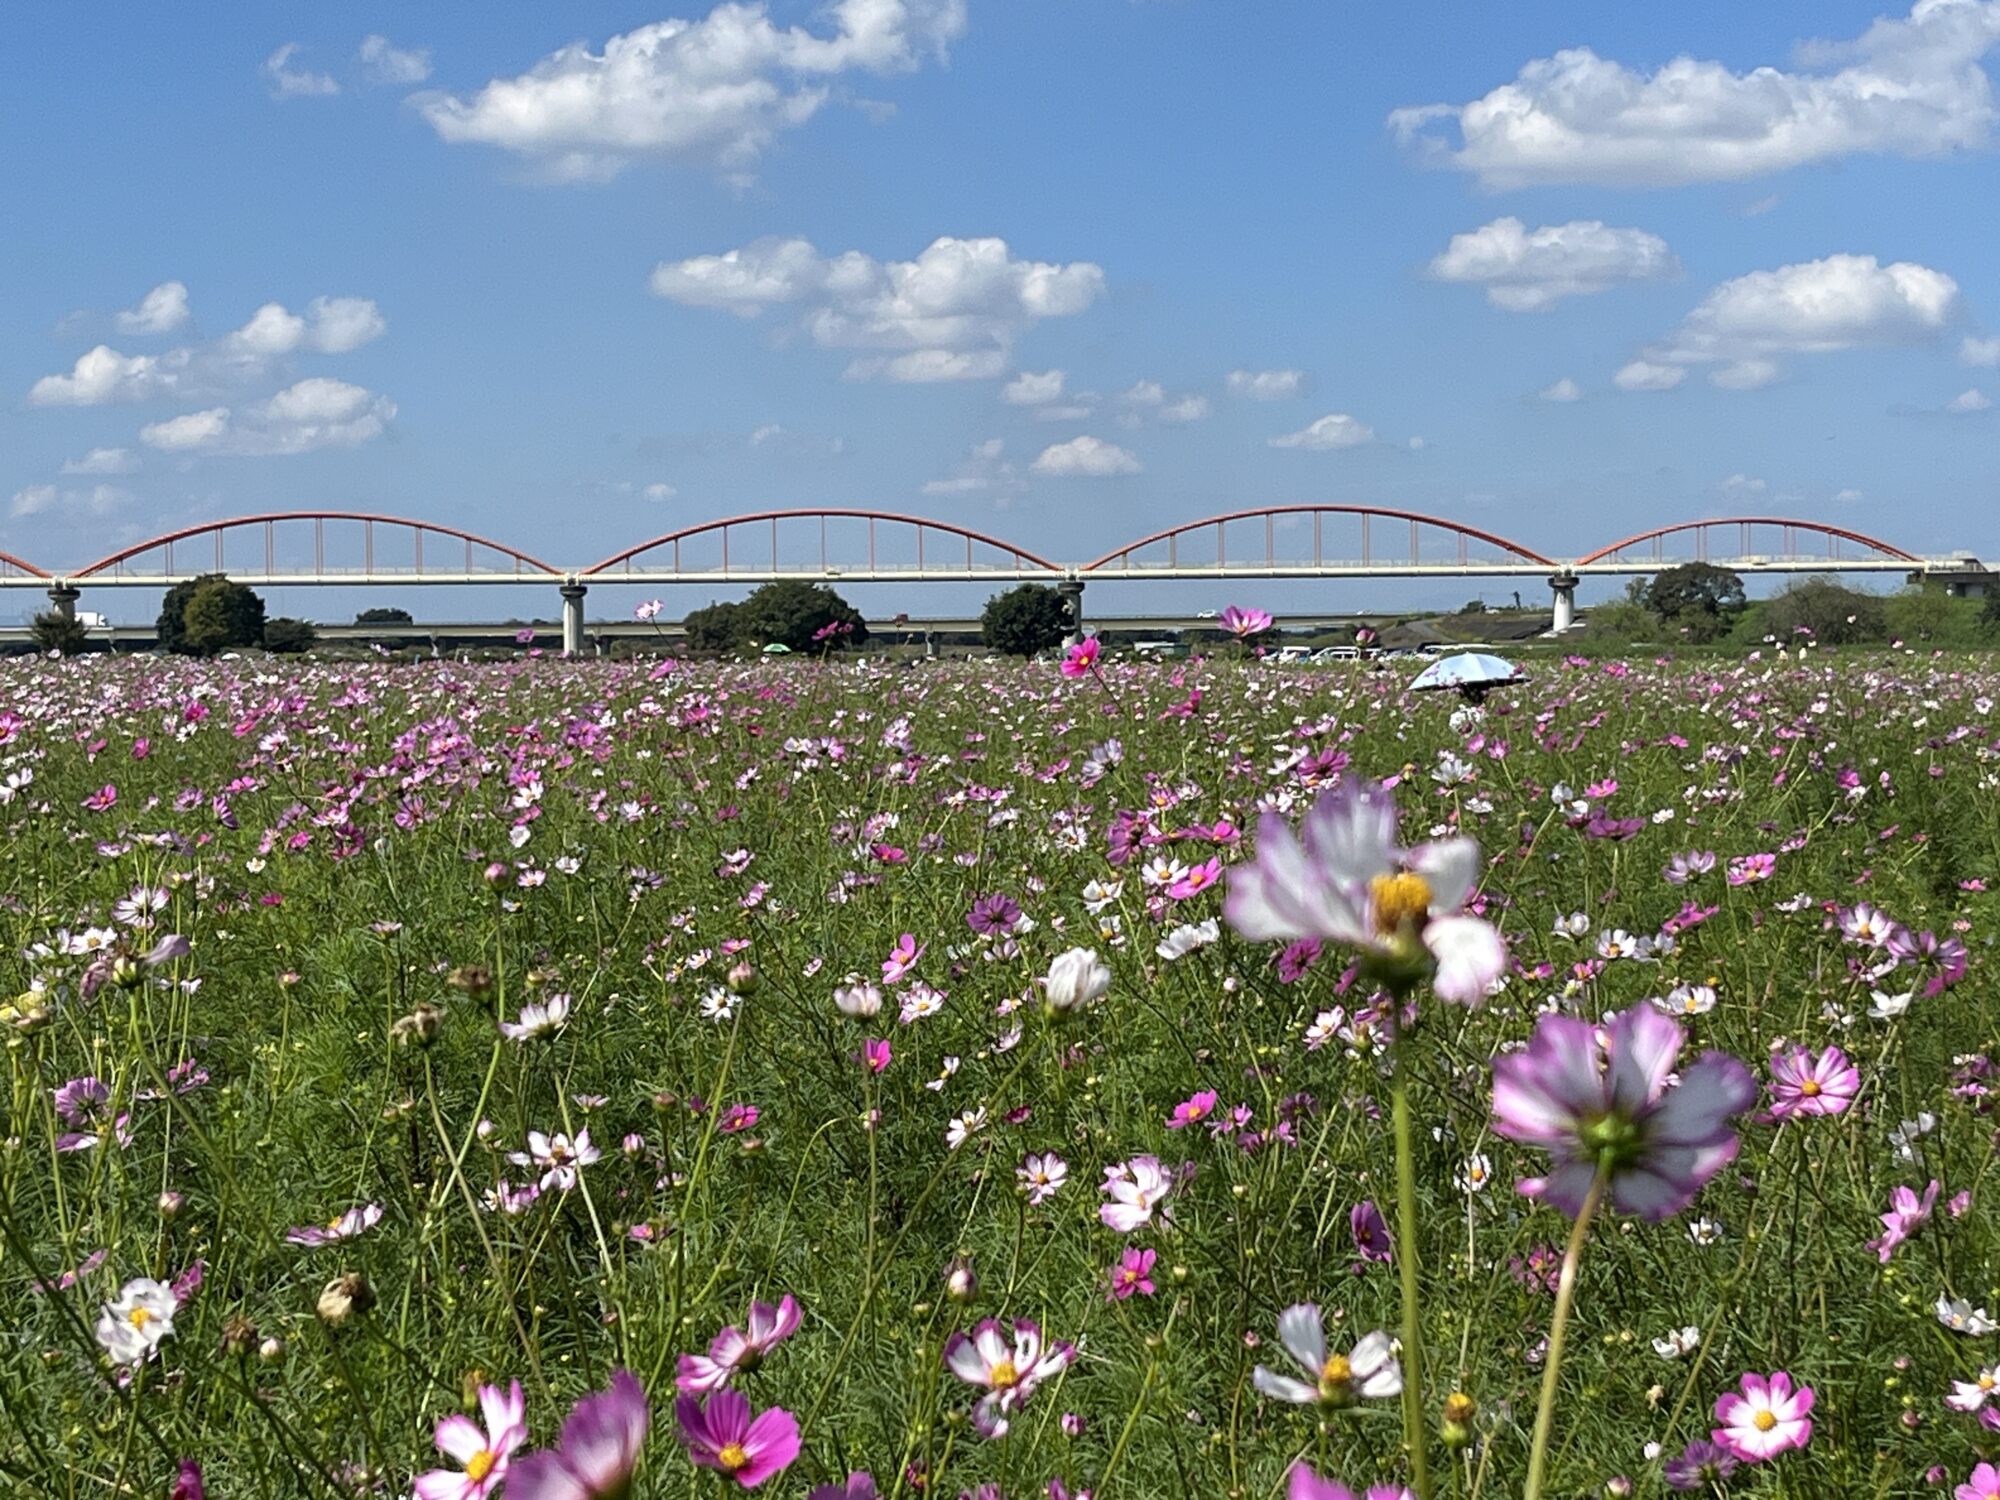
[1470, 671]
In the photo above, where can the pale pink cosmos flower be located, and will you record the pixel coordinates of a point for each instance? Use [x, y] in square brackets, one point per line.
[482, 1455]
[1041, 1177]
[1767, 1418]
[345, 1227]
[601, 1441]
[902, 958]
[1008, 1371]
[1907, 1214]
[558, 1156]
[1368, 1371]
[735, 1350]
[1982, 1484]
[1244, 623]
[1137, 1189]
[1348, 881]
[1972, 1395]
[1807, 1083]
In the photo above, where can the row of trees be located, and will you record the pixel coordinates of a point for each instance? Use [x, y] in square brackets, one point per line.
[1702, 604]
[200, 617]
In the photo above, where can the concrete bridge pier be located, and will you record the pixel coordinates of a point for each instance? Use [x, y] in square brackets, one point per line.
[63, 595]
[572, 624]
[1071, 590]
[1563, 586]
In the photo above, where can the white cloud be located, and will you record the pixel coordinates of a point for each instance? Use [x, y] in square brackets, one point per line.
[103, 375]
[1644, 375]
[1527, 270]
[1087, 456]
[1335, 430]
[715, 91]
[331, 325]
[1072, 411]
[1027, 389]
[315, 413]
[1186, 409]
[1742, 484]
[1978, 351]
[1909, 87]
[1847, 497]
[161, 310]
[955, 310]
[1151, 396]
[384, 62]
[1965, 403]
[769, 432]
[1266, 385]
[41, 499]
[1815, 307]
[103, 461]
[981, 470]
[1145, 393]
[288, 82]
[659, 492]
[1563, 390]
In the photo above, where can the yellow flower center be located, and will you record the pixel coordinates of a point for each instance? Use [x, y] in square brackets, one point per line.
[481, 1464]
[1988, 1380]
[732, 1457]
[1003, 1375]
[1764, 1421]
[1810, 1088]
[139, 1317]
[1335, 1378]
[1401, 900]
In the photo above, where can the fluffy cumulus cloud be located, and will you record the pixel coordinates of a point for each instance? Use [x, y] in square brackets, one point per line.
[315, 413]
[1028, 389]
[383, 62]
[1744, 327]
[47, 499]
[1530, 270]
[715, 91]
[953, 313]
[103, 461]
[161, 310]
[288, 82]
[102, 376]
[1913, 86]
[1563, 390]
[1335, 430]
[1969, 403]
[1148, 398]
[1266, 385]
[1085, 456]
[1979, 351]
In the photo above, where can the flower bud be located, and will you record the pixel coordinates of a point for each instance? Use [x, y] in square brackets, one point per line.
[741, 979]
[239, 1335]
[961, 1283]
[345, 1296]
[271, 1349]
[171, 1203]
[420, 1027]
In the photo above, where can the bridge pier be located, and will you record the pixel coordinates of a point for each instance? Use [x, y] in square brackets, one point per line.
[63, 595]
[1071, 590]
[1563, 586]
[572, 624]
[1963, 578]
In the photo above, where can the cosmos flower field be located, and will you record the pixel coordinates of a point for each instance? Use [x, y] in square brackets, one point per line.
[571, 1079]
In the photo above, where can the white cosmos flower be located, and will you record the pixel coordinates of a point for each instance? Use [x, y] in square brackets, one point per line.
[130, 1328]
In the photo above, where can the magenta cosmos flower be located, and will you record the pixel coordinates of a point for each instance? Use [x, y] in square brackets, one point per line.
[1081, 659]
[1809, 1083]
[1306, 1485]
[1348, 881]
[723, 1436]
[601, 1441]
[1766, 1418]
[1244, 623]
[1982, 1484]
[737, 1349]
[1907, 1214]
[1607, 1106]
[481, 1455]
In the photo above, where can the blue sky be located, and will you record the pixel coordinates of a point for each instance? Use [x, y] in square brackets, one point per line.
[571, 299]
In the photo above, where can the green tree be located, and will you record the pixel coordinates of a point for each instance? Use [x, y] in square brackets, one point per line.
[1832, 613]
[52, 630]
[792, 612]
[1989, 613]
[217, 615]
[1698, 601]
[1620, 622]
[1025, 621]
[289, 637]
[714, 627]
[1925, 615]
[381, 615]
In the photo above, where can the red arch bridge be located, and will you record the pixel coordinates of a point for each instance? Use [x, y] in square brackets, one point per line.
[359, 549]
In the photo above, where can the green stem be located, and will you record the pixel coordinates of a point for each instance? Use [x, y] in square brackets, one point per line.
[1545, 1410]
[1414, 1434]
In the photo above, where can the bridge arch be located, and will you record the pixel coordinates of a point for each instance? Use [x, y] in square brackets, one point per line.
[1120, 559]
[112, 566]
[1788, 529]
[1022, 560]
[10, 563]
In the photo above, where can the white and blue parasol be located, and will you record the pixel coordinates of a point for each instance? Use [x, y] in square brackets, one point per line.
[1470, 669]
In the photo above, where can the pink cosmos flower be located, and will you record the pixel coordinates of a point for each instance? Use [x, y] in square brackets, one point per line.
[859, 1486]
[1371, 1232]
[1608, 1105]
[1350, 882]
[1769, 1417]
[1306, 1485]
[1972, 1395]
[558, 1156]
[1081, 659]
[1192, 1110]
[1804, 1083]
[875, 1056]
[482, 1455]
[1201, 878]
[1907, 1214]
[736, 1350]
[1136, 1189]
[188, 1482]
[601, 1441]
[1133, 1274]
[902, 958]
[1009, 1372]
[1244, 623]
[1982, 1484]
[722, 1436]
[355, 1221]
